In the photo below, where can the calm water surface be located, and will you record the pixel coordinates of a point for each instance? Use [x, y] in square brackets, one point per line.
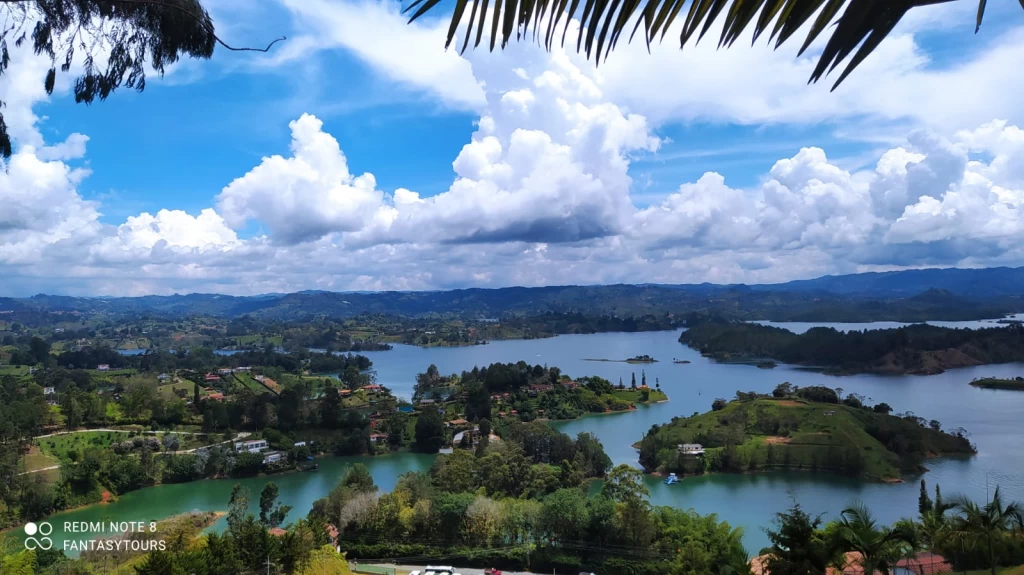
[993, 417]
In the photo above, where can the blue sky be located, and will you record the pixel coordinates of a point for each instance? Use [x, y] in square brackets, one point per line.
[245, 173]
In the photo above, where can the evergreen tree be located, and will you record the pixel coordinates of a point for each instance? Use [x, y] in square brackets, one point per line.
[643, 377]
[797, 546]
[924, 503]
[632, 384]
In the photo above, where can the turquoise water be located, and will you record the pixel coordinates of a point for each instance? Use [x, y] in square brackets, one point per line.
[993, 417]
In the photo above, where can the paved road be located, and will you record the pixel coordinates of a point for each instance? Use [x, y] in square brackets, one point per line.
[120, 431]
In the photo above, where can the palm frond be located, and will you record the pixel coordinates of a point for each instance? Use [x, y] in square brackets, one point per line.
[860, 28]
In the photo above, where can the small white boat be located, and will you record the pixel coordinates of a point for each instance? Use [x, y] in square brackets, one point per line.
[671, 479]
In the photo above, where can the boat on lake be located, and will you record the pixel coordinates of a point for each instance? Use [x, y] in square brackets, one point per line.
[671, 479]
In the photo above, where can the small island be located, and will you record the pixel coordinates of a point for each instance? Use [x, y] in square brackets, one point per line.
[1016, 384]
[518, 391]
[634, 359]
[796, 428]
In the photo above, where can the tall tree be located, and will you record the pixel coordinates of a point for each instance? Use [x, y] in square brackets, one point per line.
[879, 546]
[429, 432]
[798, 547]
[986, 525]
[924, 502]
[854, 35]
[272, 513]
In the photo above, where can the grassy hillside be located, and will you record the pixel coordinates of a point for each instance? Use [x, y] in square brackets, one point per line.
[765, 433]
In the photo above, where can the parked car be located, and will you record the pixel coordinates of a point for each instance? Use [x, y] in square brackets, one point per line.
[491, 571]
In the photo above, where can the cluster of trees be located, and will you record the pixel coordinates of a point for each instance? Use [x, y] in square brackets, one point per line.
[967, 534]
[552, 524]
[901, 348]
[476, 387]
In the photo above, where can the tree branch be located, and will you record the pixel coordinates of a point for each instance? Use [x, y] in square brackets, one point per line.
[204, 22]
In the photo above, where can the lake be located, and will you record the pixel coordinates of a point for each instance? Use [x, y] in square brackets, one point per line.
[991, 416]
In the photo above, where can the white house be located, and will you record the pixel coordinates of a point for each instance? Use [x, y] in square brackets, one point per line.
[163, 377]
[272, 457]
[253, 446]
[691, 449]
[49, 391]
[103, 367]
[300, 444]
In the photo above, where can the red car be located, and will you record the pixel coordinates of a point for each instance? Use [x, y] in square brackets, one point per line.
[491, 571]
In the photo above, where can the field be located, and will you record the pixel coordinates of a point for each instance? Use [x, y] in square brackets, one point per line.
[57, 446]
[49, 450]
[13, 370]
[247, 381]
[167, 390]
[36, 459]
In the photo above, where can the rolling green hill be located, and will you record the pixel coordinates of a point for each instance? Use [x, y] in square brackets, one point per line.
[766, 433]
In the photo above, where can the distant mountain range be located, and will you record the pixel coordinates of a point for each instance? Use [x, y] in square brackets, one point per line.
[899, 296]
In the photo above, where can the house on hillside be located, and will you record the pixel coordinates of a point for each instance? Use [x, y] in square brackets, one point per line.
[536, 388]
[372, 388]
[474, 437]
[224, 371]
[273, 457]
[216, 396]
[163, 377]
[49, 391]
[378, 438]
[691, 449]
[211, 377]
[103, 367]
[456, 423]
[252, 446]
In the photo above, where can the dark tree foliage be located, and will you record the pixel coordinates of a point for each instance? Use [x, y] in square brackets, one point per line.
[797, 546]
[429, 432]
[114, 39]
[903, 349]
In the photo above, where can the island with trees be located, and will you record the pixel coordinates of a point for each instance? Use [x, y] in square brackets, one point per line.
[523, 392]
[1015, 384]
[804, 428]
[918, 349]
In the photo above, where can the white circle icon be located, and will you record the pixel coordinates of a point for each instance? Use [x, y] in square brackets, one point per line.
[31, 529]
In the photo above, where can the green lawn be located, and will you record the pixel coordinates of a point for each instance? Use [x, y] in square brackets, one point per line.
[168, 390]
[13, 370]
[247, 381]
[36, 459]
[61, 445]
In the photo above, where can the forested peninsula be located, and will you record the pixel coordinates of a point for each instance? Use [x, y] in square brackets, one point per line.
[808, 428]
[918, 349]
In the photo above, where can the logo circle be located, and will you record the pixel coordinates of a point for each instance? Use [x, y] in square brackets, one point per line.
[31, 529]
[45, 529]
